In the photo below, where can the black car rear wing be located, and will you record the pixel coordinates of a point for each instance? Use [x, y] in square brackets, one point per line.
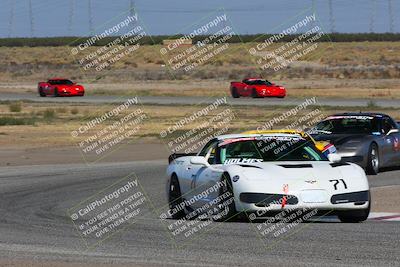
[178, 155]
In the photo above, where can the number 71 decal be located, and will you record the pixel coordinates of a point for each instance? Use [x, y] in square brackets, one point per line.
[337, 181]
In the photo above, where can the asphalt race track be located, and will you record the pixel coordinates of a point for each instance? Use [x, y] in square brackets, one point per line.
[34, 224]
[167, 100]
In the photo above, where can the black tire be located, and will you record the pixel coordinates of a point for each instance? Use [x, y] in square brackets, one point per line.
[373, 160]
[254, 93]
[355, 216]
[55, 92]
[175, 198]
[234, 93]
[41, 92]
[229, 212]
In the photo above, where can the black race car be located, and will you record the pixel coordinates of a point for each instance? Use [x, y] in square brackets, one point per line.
[372, 140]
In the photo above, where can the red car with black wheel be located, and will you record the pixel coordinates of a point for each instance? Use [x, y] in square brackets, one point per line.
[256, 88]
[60, 87]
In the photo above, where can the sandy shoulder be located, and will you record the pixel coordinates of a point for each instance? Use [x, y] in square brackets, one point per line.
[386, 199]
[16, 156]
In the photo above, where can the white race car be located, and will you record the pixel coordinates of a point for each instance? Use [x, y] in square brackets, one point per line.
[263, 174]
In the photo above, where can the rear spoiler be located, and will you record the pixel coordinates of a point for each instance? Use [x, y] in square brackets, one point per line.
[174, 156]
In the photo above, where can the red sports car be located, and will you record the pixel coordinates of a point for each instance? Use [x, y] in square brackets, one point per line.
[256, 87]
[60, 87]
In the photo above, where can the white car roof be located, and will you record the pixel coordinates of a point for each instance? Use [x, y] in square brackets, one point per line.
[233, 136]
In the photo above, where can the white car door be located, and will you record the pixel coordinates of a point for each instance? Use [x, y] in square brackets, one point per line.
[188, 179]
[206, 181]
[191, 173]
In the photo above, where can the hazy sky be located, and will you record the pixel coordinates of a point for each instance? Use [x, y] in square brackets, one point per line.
[72, 17]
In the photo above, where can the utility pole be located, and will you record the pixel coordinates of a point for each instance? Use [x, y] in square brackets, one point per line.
[331, 17]
[11, 22]
[132, 11]
[91, 29]
[391, 18]
[313, 11]
[31, 17]
[372, 16]
[71, 16]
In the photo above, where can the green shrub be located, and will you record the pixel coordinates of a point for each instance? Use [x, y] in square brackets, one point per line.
[372, 104]
[15, 107]
[61, 110]
[157, 39]
[49, 114]
[16, 121]
[74, 111]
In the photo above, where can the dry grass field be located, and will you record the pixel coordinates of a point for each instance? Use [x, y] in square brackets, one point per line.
[43, 125]
[360, 69]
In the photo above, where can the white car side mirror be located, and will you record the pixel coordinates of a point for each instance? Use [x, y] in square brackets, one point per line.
[198, 160]
[392, 131]
[334, 158]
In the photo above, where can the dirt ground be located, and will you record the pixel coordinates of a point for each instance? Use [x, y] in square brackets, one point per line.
[18, 156]
[386, 199]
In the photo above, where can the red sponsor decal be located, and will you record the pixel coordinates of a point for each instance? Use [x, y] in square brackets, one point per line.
[285, 191]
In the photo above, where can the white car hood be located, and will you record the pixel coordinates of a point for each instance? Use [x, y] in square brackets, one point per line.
[289, 170]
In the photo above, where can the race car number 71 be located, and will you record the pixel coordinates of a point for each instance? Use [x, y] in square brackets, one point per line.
[337, 181]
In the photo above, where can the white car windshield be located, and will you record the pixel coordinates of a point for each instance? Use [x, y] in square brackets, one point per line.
[267, 149]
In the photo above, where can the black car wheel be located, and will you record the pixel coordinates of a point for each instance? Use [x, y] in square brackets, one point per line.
[234, 93]
[175, 199]
[226, 207]
[55, 92]
[254, 93]
[355, 216]
[41, 93]
[373, 160]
